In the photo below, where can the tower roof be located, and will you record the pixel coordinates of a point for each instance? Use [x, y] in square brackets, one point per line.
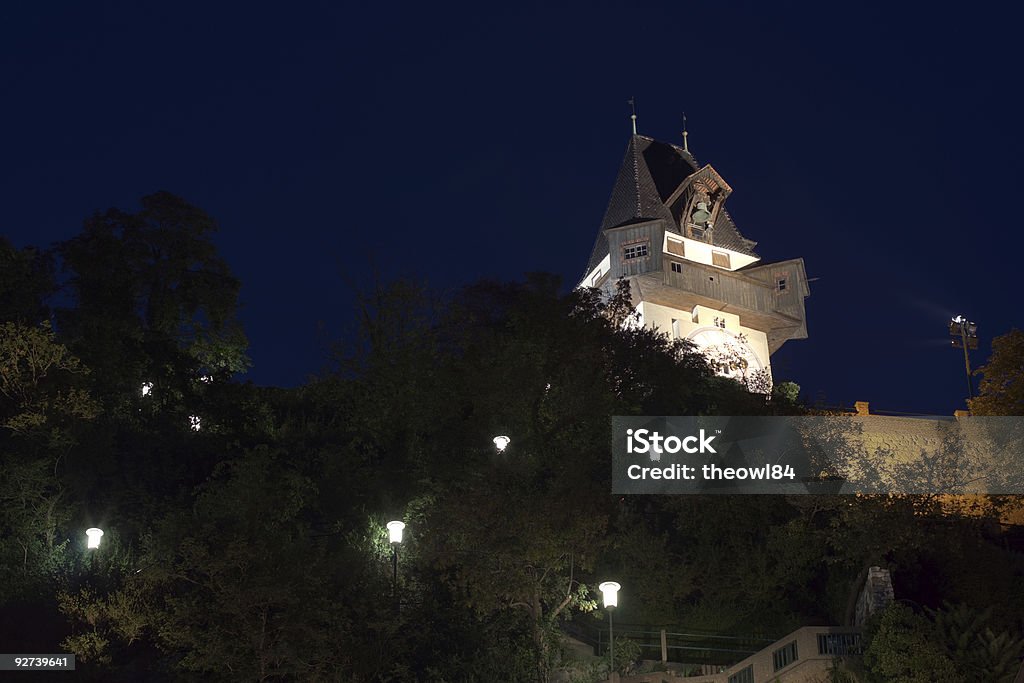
[651, 172]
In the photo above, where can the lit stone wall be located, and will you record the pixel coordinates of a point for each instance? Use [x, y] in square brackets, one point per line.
[959, 455]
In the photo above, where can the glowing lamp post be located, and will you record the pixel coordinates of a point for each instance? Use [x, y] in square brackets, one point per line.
[395, 536]
[147, 388]
[395, 531]
[502, 442]
[94, 535]
[610, 594]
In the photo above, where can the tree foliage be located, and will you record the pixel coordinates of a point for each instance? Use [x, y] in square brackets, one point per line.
[255, 548]
[952, 643]
[42, 398]
[154, 302]
[26, 283]
[1002, 386]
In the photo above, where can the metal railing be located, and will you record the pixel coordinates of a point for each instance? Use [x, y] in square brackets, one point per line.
[687, 646]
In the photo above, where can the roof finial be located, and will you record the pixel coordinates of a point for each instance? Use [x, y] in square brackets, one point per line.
[632, 104]
[686, 145]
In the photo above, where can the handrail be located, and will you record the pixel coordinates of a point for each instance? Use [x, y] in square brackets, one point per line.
[698, 647]
[691, 633]
[832, 641]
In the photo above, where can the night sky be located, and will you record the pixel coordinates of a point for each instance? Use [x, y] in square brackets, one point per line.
[881, 145]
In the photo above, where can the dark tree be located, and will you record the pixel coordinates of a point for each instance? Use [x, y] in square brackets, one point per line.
[154, 302]
[26, 283]
[1002, 385]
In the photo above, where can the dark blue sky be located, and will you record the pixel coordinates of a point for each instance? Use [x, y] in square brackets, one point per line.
[881, 144]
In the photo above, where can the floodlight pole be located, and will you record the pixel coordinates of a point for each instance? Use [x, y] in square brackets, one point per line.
[966, 332]
[967, 359]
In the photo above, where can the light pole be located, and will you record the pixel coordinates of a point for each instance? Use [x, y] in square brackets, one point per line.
[965, 336]
[94, 535]
[610, 592]
[395, 536]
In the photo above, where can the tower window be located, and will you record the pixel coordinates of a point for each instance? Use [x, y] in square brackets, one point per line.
[780, 284]
[677, 267]
[675, 329]
[720, 259]
[634, 251]
[720, 322]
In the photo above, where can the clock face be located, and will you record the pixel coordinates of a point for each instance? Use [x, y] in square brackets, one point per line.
[729, 354]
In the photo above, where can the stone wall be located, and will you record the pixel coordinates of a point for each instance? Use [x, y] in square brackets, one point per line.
[875, 596]
[960, 455]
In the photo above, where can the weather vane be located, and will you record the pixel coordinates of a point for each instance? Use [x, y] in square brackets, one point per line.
[632, 105]
[686, 146]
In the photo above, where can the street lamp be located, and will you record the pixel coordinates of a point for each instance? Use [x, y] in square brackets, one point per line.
[502, 442]
[395, 531]
[395, 536]
[610, 593]
[965, 336]
[94, 536]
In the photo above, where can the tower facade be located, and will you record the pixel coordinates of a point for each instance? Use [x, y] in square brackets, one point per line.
[692, 274]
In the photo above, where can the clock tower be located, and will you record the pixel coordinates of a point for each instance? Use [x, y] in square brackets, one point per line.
[692, 274]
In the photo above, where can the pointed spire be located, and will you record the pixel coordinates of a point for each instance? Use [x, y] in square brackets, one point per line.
[636, 172]
[686, 144]
[632, 104]
[648, 177]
